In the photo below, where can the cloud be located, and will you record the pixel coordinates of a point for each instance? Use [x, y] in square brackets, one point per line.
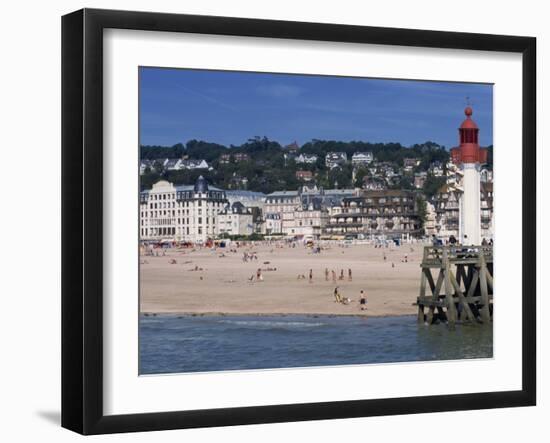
[279, 90]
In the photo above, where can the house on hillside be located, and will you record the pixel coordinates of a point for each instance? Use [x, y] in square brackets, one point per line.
[225, 159]
[361, 158]
[292, 149]
[335, 159]
[304, 175]
[194, 164]
[420, 179]
[241, 157]
[306, 158]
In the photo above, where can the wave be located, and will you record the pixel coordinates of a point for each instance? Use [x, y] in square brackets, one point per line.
[269, 324]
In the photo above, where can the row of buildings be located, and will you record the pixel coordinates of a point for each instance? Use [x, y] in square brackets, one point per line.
[172, 164]
[332, 159]
[200, 212]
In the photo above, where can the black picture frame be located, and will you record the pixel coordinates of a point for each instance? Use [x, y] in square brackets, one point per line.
[82, 215]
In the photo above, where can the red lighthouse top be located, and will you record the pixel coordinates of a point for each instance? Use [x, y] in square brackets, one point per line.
[469, 150]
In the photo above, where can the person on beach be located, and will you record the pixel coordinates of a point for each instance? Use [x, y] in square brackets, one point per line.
[385, 256]
[349, 274]
[311, 275]
[259, 276]
[333, 275]
[341, 274]
[337, 296]
[326, 274]
[363, 300]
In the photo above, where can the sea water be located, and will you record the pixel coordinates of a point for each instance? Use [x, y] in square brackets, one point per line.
[175, 344]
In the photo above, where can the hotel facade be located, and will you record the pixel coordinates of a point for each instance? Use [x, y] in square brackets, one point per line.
[181, 213]
[388, 214]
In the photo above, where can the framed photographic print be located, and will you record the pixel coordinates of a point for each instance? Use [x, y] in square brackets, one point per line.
[269, 221]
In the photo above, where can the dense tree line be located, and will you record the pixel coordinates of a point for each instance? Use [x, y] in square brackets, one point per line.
[268, 170]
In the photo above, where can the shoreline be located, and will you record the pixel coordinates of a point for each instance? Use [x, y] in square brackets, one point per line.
[266, 314]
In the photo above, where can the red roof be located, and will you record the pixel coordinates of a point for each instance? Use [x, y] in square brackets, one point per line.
[468, 123]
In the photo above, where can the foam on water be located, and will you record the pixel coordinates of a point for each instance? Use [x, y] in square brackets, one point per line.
[272, 324]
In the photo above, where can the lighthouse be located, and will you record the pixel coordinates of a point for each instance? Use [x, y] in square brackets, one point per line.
[469, 157]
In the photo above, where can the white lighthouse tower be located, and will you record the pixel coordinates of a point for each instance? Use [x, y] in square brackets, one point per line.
[469, 156]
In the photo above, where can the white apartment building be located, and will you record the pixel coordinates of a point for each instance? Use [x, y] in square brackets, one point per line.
[272, 224]
[306, 158]
[309, 219]
[235, 219]
[361, 158]
[335, 159]
[282, 203]
[181, 213]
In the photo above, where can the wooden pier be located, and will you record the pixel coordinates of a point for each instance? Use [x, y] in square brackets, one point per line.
[462, 290]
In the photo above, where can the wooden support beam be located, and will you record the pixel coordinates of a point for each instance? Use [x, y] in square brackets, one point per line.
[451, 309]
[437, 288]
[422, 295]
[427, 301]
[462, 300]
[428, 274]
[485, 312]
[430, 315]
[473, 285]
[423, 281]
[420, 317]
[489, 278]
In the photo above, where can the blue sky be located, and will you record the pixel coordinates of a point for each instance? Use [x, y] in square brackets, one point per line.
[177, 105]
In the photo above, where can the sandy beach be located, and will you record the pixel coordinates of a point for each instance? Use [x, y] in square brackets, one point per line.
[208, 281]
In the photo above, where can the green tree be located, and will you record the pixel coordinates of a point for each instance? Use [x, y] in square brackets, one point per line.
[432, 185]
[422, 210]
[360, 174]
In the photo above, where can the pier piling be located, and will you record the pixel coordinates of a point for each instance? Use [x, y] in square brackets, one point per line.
[463, 290]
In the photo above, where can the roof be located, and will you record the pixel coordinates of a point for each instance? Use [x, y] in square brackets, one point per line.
[244, 193]
[339, 154]
[293, 145]
[283, 194]
[339, 191]
[387, 193]
[468, 123]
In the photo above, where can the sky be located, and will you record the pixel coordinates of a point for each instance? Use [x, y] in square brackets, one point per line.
[177, 105]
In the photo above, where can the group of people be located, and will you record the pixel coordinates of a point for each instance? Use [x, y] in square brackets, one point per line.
[341, 277]
[454, 242]
[338, 298]
[249, 256]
